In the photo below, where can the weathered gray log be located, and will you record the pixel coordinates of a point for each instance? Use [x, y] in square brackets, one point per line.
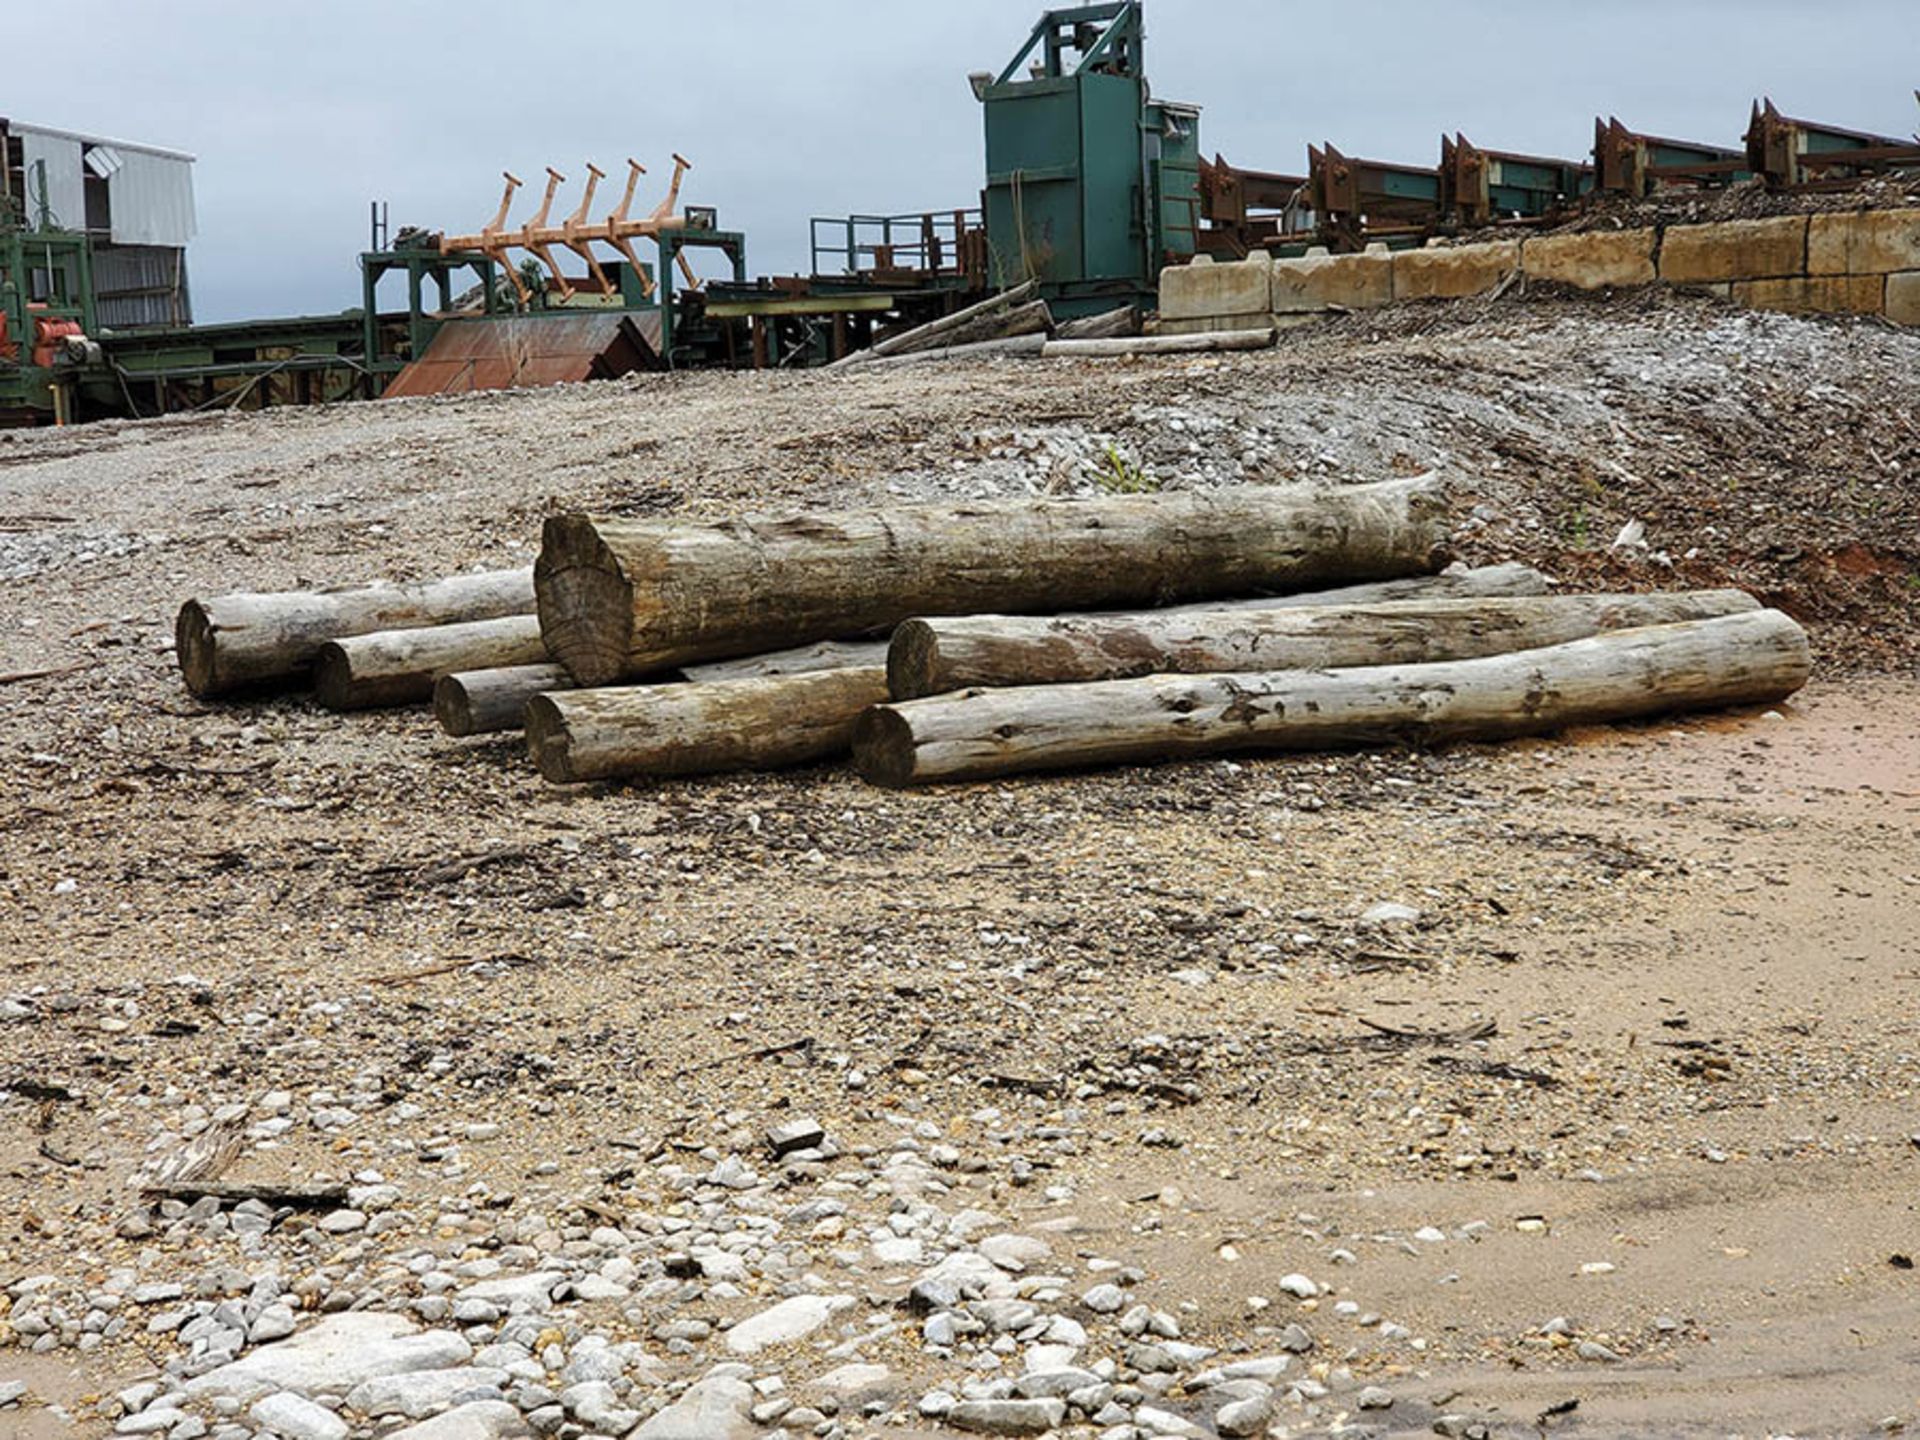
[1456, 582]
[689, 729]
[624, 597]
[399, 667]
[932, 657]
[802, 660]
[234, 642]
[1202, 343]
[1033, 318]
[1104, 326]
[1746, 659]
[979, 350]
[934, 331]
[478, 702]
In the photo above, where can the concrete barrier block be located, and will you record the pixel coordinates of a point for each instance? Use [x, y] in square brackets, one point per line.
[1236, 288]
[1593, 261]
[1865, 242]
[1734, 250]
[1313, 282]
[1815, 295]
[1903, 298]
[1202, 324]
[1452, 272]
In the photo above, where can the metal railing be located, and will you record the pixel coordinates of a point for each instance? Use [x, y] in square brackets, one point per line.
[932, 245]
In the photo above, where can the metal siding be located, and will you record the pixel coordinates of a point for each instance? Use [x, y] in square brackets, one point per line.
[152, 200]
[66, 192]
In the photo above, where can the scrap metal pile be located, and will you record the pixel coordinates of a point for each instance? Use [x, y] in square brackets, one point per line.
[1346, 203]
[943, 642]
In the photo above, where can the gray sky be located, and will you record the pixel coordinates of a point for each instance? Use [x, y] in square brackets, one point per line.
[301, 114]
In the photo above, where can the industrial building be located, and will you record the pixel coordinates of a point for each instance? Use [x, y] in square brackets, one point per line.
[134, 203]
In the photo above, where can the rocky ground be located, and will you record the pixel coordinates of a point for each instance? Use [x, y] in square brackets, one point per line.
[1563, 1087]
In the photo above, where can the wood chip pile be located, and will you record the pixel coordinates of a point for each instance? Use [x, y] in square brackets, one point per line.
[962, 642]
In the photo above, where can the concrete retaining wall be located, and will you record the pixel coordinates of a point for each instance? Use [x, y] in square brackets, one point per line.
[1857, 263]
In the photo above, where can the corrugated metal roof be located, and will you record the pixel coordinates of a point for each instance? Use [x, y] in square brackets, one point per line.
[526, 351]
[25, 127]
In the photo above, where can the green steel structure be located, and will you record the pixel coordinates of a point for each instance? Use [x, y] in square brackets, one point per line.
[46, 273]
[1092, 184]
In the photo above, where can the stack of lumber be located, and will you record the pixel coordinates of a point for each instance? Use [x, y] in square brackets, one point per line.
[962, 642]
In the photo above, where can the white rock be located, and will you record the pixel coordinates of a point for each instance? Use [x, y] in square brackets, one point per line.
[1389, 913]
[1164, 1422]
[1015, 1252]
[1298, 1286]
[784, 1323]
[482, 1420]
[1243, 1417]
[854, 1377]
[715, 1408]
[534, 1289]
[294, 1417]
[1104, 1299]
[334, 1356]
[898, 1250]
[420, 1393]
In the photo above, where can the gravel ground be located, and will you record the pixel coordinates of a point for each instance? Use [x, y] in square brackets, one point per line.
[1383, 1093]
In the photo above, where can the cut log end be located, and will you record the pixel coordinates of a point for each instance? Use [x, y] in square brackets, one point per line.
[586, 601]
[912, 656]
[883, 748]
[333, 679]
[193, 646]
[548, 740]
[451, 707]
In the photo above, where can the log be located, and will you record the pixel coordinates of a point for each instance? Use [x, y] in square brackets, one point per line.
[478, 702]
[622, 597]
[802, 660]
[1202, 343]
[399, 667]
[932, 332]
[1105, 325]
[235, 642]
[979, 350]
[932, 657]
[1456, 582]
[1748, 659]
[489, 700]
[694, 729]
[1033, 318]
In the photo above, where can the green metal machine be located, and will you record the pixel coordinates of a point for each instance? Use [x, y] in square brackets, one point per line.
[46, 280]
[1092, 184]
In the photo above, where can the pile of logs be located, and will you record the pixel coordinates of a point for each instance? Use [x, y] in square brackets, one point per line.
[1018, 322]
[939, 643]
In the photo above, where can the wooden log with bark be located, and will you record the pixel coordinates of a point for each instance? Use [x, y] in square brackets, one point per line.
[1746, 659]
[935, 332]
[801, 660]
[932, 657]
[242, 641]
[625, 597]
[979, 350]
[760, 723]
[488, 700]
[1201, 343]
[399, 667]
[478, 702]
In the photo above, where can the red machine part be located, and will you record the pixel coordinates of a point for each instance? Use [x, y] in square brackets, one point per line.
[47, 335]
[9, 352]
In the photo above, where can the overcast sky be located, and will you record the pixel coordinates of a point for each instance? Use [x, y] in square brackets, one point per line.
[299, 115]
